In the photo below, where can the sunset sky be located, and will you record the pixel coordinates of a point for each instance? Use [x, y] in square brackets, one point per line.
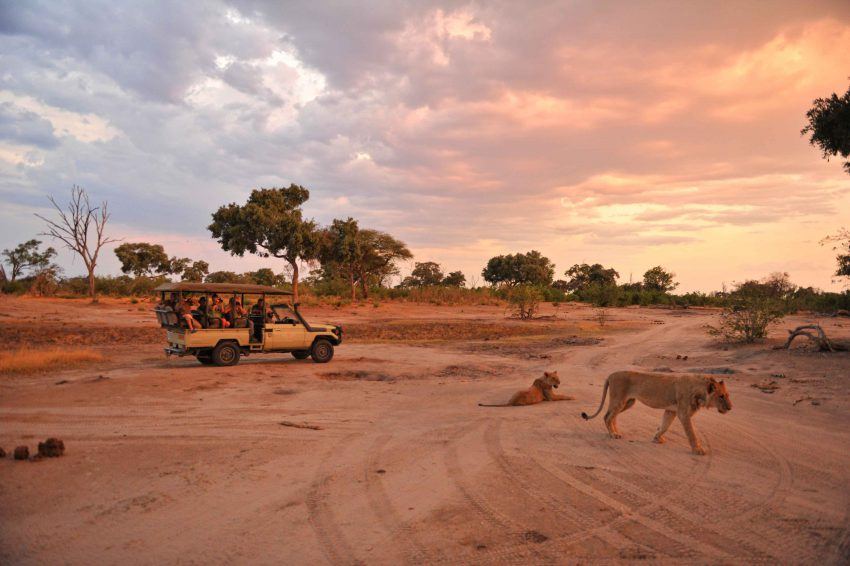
[627, 133]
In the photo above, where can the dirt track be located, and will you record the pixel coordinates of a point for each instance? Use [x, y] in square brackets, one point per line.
[169, 461]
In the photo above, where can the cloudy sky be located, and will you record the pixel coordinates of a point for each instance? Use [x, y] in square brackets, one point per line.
[627, 133]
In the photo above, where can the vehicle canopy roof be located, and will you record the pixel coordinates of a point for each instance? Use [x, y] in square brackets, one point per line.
[221, 288]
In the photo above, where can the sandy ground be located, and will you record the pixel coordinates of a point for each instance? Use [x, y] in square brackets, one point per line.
[169, 461]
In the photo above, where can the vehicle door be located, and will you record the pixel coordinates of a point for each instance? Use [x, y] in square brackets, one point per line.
[286, 334]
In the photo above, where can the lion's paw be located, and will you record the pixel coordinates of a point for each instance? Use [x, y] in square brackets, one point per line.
[615, 435]
[699, 451]
[659, 440]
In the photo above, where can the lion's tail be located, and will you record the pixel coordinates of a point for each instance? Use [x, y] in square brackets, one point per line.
[601, 404]
[500, 405]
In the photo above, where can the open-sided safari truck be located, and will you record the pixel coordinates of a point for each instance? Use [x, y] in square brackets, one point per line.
[261, 328]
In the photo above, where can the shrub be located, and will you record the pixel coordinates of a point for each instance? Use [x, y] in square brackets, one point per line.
[524, 300]
[601, 295]
[747, 318]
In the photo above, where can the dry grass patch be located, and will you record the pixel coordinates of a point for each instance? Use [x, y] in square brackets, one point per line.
[25, 360]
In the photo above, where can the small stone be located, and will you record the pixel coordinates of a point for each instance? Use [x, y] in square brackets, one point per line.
[815, 402]
[51, 448]
[22, 453]
[381, 471]
[2, 453]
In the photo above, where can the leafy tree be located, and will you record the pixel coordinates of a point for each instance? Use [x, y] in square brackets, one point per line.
[424, 274]
[659, 279]
[583, 276]
[829, 126]
[143, 259]
[196, 271]
[270, 223]
[530, 268]
[340, 251]
[380, 254]
[225, 277]
[82, 228]
[454, 279]
[27, 256]
[266, 276]
[362, 257]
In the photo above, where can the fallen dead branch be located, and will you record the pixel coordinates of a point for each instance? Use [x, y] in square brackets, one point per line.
[818, 336]
[300, 425]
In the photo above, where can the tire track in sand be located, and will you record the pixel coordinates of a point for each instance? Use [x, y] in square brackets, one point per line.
[320, 515]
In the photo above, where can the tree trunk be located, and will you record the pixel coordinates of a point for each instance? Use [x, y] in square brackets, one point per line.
[353, 286]
[294, 265]
[364, 287]
[91, 285]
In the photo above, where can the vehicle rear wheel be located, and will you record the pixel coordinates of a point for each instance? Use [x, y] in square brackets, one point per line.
[301, 354]
[225, 354]
[322, 351]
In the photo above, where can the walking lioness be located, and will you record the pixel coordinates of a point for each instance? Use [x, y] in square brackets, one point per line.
[679, 395]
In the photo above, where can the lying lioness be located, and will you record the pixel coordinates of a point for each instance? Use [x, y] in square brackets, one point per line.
[540, 390]
[679, 395]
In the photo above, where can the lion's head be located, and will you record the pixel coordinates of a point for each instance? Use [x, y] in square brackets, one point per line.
[718, 396]
[549, 380]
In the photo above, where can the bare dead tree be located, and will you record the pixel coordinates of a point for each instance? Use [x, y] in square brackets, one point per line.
[81, 227]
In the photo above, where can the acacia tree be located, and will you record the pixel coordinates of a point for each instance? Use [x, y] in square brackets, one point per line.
[28, 256]
[829, 126]
[340, 251]
[195, 271]
[659, 279]
[82, 228]
[271, 223]
[361, 256]
[379, 257]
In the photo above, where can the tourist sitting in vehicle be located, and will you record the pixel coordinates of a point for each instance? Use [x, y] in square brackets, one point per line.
[236, 314]
[184, 310]
[216, 314]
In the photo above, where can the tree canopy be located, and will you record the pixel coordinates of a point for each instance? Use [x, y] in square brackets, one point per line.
[659, 279]
[143, 259]
[829, 126]
[270, 223]
[28, 256]
[582, 276]
[530, 268]
[361, 256]
[454, 279]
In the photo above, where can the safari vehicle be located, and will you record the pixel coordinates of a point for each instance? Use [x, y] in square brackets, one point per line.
[271, 328]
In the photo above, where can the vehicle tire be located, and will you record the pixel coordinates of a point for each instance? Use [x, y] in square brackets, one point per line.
[226, 354]
[322, 351]
[301, 354]
[205, 358]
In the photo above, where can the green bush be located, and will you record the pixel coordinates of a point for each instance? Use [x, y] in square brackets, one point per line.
[525, 300]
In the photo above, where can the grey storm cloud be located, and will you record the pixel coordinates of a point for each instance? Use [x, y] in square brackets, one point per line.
[22, 126]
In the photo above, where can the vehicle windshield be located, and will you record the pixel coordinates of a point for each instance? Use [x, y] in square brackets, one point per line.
[283, 314]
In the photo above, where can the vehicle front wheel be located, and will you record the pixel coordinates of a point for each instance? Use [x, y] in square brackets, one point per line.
[301, 354]
[322, 351]
[226, 354]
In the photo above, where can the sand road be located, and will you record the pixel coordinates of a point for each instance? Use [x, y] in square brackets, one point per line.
[171, 462]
